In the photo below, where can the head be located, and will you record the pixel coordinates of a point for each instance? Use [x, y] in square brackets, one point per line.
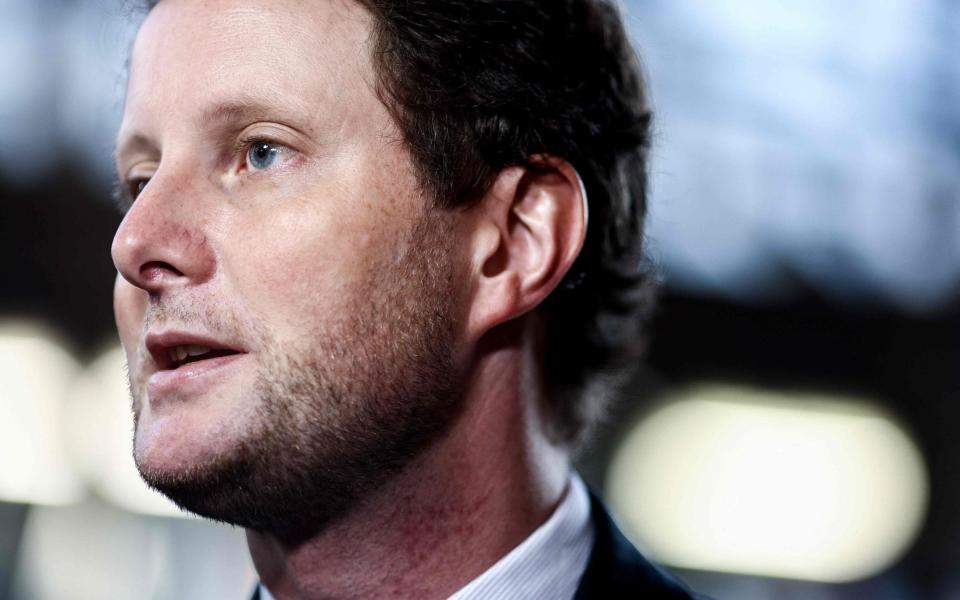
[332, 204]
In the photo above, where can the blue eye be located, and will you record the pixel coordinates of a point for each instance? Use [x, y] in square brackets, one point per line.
[262, 155]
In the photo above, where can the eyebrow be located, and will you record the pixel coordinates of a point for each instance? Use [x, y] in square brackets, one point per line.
[256, 107]
[221, 113]
[226, 112]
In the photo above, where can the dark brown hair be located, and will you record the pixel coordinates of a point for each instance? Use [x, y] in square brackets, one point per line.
[476, 86]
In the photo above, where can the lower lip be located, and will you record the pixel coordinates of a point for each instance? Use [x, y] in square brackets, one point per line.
[191, 378]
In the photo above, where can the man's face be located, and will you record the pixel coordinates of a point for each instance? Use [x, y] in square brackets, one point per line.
[282, 228]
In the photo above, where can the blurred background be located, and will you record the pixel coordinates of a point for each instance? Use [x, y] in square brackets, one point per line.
[792, 433]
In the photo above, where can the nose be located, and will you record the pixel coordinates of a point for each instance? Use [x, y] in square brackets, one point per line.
[162, 242]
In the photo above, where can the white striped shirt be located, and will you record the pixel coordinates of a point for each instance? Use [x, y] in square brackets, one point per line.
[545, 566]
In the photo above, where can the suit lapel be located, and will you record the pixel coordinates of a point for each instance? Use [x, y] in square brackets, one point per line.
[617, 570]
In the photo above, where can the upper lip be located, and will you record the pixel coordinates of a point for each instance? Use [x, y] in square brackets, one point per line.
[160, 343]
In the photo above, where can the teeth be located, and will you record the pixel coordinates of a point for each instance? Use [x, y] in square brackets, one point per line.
[179, 353]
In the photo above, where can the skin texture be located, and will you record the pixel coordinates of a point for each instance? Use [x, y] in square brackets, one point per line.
[382, 431]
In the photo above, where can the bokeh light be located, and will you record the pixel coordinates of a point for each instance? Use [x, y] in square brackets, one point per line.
[35, 374]
[787, 485]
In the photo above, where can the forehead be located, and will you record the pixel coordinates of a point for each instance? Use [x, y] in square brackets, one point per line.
[304, 53]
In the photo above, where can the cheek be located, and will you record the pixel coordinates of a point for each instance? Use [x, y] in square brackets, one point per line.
[315, 250]
[302, 265]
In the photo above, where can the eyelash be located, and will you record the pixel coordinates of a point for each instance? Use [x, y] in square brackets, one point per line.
[135, 186]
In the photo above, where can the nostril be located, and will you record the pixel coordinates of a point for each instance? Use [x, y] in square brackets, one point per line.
[155, 270]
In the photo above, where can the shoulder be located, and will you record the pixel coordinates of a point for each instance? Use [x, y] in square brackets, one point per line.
[616, 569]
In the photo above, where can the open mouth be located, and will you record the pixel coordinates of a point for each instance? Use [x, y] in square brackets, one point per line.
[173, 350]
[187, 364]
[191, 353]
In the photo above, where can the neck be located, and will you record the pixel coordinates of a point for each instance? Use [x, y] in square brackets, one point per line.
[451, 514]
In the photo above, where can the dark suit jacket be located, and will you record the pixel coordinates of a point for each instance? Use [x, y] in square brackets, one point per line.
[616, 570]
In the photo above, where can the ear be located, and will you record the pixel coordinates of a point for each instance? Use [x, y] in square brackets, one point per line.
[529, 229]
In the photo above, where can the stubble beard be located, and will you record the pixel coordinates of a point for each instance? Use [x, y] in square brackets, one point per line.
[334, 422]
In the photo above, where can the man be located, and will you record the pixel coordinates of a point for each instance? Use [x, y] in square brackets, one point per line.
[366, 314]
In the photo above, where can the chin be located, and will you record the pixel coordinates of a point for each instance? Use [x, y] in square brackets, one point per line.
[176, 443]
[198, 465]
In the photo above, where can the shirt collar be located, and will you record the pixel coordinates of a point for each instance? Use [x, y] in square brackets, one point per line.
[549, 563]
